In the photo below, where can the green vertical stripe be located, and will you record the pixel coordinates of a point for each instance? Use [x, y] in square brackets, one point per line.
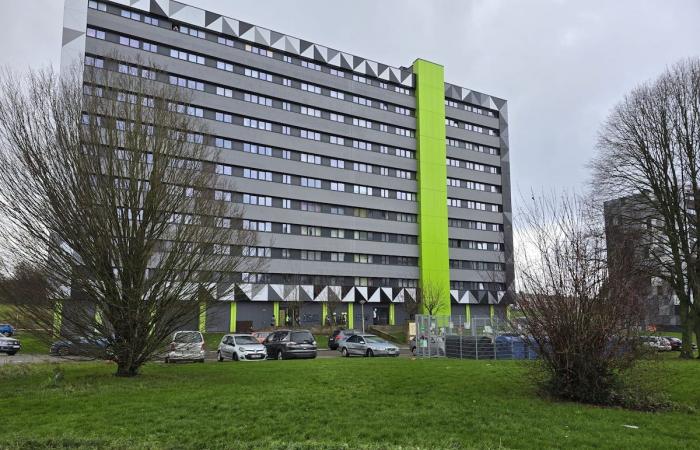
[324, 313]
[202, 317]
[434, 260]
[351, 314]
[276, 312]
[232, 324]
[392, 316]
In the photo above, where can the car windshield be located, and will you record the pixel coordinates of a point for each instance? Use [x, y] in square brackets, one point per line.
[374, 339]
[302, 336]
[241, 340]
[188, 337]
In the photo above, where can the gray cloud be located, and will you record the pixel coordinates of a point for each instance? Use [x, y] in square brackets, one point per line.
[561, 64]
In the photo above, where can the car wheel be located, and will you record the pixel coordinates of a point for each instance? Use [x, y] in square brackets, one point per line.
[167, 360]
[234, 356]
[219, 357]
[11, 353]
[370, 353]
[344, 352]
[280, 355]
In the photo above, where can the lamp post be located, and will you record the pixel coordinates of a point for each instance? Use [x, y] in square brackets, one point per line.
[362, 305]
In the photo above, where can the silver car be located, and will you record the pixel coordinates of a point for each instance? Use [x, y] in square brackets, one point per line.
[241, 347]
[186, 346]
[368, 345]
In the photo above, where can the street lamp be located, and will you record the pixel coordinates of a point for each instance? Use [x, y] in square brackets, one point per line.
[362, 305]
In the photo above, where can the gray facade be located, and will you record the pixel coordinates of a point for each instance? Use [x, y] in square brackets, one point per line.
[319, 146]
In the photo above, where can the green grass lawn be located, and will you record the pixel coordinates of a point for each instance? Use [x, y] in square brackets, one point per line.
[325, 403]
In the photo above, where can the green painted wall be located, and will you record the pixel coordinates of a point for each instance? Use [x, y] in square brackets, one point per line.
[233, 311]
[434, 260]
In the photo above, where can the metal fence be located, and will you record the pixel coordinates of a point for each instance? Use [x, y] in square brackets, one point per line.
[476, 338]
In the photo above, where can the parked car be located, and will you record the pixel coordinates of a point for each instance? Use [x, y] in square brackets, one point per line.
[6, 329]
[261, 335]
[186, 346]
[9, 345]
[284, 344]
[338, 336]
[368, 345]
[241, 347]
[437, 346]
[80, 346]
[676, 343]
[655, 343]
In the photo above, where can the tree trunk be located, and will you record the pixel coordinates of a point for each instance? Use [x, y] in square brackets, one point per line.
[697, 335]
[127, 370]
[686, 329]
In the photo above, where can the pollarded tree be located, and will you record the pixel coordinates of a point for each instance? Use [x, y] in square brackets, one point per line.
[108, 192]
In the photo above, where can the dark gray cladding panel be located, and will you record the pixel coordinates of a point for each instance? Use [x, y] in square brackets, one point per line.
[218, 317]
[259, 313]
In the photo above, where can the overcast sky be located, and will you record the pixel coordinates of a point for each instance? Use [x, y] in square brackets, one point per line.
[560, 64]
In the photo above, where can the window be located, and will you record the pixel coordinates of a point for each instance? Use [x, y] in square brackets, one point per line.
[361, 100]
[405, 153]
[384, 193]
[362, 145]
[337, 233]
[337, 186]
[311, 182]
[259, 200]
[310, 88]
[403, 132]
[222, 143]
[257, 149]
[223, 117]
[287, 82]
[94, 62]
[457, 203]
[452, 162]
[339, 210]
[337, 117]
[384, 128]
[286, 203]
[338, 95]
[255, 174]
[223, 222]
[151, 20]
[224, 41]
[257, 74]
[97, 34]
[308, 134]
[223, 169]
[221, 249]
[222, 195]
[362, 190]
[185, 82]
[453, 182]
[361, 123]
[310, 65]
[225, 92]
[287, 59]
[287, 228]
[311, 159]
[310, 206]
[258, 51]
[286, 154]
[259, 99]
[337, 140]
[257, 252]
[286, 106]
[337, 73]
[310, 255]
[384, 171]
[286, 179]
[224, 66]
[404, 174]
[402, 110]
[337, 257]
[310, 231]
[362, 167]
[254, 225]
[192, 32]
[362, 258]
[408, 196]
[286, 130]
[191, 57]
[310, 111]
[97, 5]
[359, 78]
[133, 43]
[259, 124]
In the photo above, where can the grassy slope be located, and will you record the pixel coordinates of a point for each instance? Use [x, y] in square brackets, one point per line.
[324, 403]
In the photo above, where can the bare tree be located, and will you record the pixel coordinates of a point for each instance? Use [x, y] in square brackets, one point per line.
[649, 148]
[431, 296]
[333, 302]
[582, 316]
[108, 191]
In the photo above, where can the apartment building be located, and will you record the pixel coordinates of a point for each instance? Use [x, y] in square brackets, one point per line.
[362, 180]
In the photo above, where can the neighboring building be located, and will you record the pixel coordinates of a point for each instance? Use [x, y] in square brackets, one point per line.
[629, 230]
[362, 179]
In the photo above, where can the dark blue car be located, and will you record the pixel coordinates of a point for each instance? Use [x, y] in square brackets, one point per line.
[6, 329]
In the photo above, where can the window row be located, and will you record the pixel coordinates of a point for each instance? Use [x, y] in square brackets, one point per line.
[473, 147]
[275, 202]
[470, 127]
[470, 204]
[473, 185]
[264, 175]
[471, 108]
[318, 280]
[476, 245]
[453, 162]
[477, 265]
